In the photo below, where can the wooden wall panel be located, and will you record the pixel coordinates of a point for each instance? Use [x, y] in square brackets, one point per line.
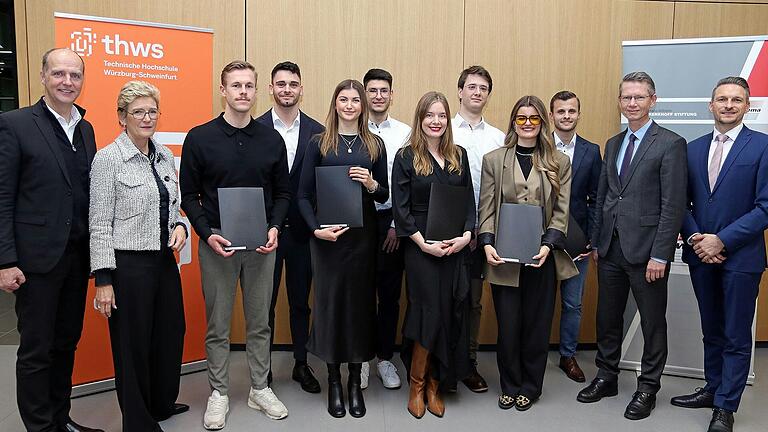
[225, 17]
[541, 47]
[22, 65]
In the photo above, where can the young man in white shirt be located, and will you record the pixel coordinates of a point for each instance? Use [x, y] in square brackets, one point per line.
[389, 273]
[472, 132]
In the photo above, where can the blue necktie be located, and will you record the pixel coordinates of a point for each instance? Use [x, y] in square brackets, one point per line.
[627, 159]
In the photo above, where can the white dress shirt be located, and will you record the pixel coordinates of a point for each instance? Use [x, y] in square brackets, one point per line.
[394, 133]
[478, 141]
[727, 145]
[290, 135]
[68, 126]
[565, 148]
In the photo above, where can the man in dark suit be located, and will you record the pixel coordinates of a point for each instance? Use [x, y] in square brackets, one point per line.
[725, 247]
[45, 158]
[296, 128]
[640, 208]
[564, 110]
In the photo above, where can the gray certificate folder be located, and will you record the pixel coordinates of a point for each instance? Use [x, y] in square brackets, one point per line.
[243, 217]
[518, 235]
[447, 212]
[339, 198]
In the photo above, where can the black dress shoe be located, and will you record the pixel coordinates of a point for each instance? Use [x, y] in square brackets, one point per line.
[640, 406]
[74, 427]
[356, 401]
[722, 421]
[176, 409]
[336, 400]
[598, 389]
[698, 399]
[302, 374]
[475, 381]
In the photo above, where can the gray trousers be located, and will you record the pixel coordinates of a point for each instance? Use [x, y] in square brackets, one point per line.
[219, 277]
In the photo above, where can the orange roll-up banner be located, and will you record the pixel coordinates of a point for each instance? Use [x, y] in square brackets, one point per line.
[178, 60]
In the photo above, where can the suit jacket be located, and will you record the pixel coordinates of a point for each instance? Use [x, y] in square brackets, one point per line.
[502, 181]
[737, 207]
[648, 210]
[308, 127]
[35, 190]
[585, 177]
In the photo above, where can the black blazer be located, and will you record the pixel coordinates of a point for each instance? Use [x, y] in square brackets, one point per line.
[585, 175]
[35, 189]
[648, 210]
[308, 127]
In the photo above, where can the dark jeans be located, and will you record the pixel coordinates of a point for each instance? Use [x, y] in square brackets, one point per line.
[50, 308]
[389, 283]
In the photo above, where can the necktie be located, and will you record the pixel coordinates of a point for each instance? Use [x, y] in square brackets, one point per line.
[627, 159]
[717, 157]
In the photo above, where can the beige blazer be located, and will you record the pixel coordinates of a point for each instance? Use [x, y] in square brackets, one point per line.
[519, 190]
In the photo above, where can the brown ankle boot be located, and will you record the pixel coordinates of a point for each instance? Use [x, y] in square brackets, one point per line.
[435, 403]
[419, 363]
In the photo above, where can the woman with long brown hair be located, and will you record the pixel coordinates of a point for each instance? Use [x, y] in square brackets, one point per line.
[344, 259]
[436, 329]
[527, 170]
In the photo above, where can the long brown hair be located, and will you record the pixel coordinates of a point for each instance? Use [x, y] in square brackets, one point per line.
[422, 163]
[329, 140]
[544, 154]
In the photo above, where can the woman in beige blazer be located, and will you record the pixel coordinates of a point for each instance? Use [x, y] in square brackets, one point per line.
[527, 170]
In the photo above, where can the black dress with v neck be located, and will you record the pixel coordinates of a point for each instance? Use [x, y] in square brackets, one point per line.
[437, 315]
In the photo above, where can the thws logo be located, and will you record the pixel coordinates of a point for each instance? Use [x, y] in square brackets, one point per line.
[84, 40]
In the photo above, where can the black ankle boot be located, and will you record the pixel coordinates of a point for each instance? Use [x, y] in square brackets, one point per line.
[335, 393]
[356, 401]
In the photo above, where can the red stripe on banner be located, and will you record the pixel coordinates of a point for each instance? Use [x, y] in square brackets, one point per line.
[758, 79]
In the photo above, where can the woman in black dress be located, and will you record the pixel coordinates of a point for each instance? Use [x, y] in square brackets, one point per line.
[436, 337]
[344, 259]
[527, 170]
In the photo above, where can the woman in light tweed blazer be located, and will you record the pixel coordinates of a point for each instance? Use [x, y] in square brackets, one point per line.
[135, 226]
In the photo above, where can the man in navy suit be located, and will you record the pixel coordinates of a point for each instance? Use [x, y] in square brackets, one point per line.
[564, 110]
[296, 128]
[725, 250]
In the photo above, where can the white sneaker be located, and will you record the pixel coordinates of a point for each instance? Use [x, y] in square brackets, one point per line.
[387, 371]
[216, 412]
[265, 400]
[365, 372]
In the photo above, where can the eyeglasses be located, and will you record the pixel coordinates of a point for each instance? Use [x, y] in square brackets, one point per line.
[139, 114]
[534, 119]
[638, 99]
[474, 87]
[383, 92]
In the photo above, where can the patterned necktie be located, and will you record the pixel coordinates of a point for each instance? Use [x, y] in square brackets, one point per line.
[717, 157]
[627, 159]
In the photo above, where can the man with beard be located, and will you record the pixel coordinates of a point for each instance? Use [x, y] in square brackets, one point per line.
[389, 266]
[296, 128]
[233, 150]
[564, 111]
[725, 247]
[471, 131]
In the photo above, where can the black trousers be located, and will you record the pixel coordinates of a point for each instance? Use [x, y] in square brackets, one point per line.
[147, 334]
[616, 278]
[389, 284]
[50, 308]
[298, 282]
[524, 316]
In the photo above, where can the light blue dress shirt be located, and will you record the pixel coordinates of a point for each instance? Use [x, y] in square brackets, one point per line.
[640, 133]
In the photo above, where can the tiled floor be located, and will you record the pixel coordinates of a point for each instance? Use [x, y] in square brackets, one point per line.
[557, 410]
[8, 333]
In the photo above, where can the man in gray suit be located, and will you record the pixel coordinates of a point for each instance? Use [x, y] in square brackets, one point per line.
[640, 208]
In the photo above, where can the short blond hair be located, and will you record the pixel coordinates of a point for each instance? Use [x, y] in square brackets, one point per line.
[133, 90]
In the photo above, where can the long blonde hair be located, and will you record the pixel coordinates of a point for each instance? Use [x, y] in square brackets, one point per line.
[544, 154]
[329, 140]
[422, 163]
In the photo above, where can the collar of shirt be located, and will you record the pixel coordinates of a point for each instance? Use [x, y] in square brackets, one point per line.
[277, 122]
[465, 124]
[129, 150]
[561, 145]
[74, 117]
[231, 130]
[385, 124]
[732, 134]
[640, 133]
